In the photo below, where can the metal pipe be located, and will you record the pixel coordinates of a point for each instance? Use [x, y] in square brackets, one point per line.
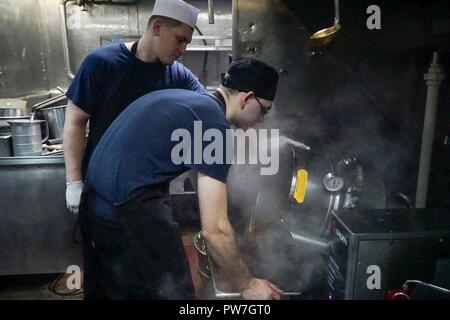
[336, 12]
[65, 41]
[236, 43]
[211, 11]
[41, 94]
[296, 143]
[433, 79]
[60, 89]
[48, 102]
[318, 243]
[295, 237]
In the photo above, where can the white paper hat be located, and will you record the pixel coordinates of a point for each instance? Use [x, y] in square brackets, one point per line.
[176, 9]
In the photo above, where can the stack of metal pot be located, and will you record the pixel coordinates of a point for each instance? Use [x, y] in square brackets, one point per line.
[24, 135]
[9, 111]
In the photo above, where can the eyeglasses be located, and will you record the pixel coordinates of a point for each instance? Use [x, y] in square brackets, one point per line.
[264, 110]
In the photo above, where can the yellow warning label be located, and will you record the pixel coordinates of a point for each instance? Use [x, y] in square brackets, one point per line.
[301, 185]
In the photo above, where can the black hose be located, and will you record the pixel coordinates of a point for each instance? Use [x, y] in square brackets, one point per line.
[205, 60]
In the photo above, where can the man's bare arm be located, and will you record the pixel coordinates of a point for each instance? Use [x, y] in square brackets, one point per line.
[221, 240]
[74, 141]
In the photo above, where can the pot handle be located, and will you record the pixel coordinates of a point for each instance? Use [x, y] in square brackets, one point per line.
[46, 131]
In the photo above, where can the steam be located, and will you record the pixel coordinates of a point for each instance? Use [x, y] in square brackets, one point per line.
[319, 105]
[339, 125]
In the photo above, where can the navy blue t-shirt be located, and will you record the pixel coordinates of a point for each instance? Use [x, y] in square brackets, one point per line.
[110, 78]
[137, 149]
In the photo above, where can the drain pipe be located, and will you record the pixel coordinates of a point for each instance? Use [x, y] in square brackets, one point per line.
[433, 79]
[65, 41]
[211, 11]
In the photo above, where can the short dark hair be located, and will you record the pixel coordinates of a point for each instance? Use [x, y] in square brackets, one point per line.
[165, 21]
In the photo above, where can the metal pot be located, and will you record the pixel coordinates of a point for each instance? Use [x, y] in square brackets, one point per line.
[55, 116]
[5, 128]
[11, 112]
[286, 215]
[301, 195]
[267, 200]
[27, 137]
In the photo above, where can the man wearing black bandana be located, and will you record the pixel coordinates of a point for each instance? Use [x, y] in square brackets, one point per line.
[135, 245]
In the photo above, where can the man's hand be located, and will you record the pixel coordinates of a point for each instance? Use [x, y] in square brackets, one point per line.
[261, 289]
[73, 195]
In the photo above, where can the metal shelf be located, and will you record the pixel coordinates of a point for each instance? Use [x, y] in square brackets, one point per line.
[208, 48]
[217, 46]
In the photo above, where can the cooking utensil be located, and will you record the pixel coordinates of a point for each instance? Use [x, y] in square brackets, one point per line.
[324, 36]
[55, 116]
[5, 128]
[11, 112]
[27, 136]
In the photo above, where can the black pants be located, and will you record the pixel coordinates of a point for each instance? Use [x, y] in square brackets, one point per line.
[140, 257]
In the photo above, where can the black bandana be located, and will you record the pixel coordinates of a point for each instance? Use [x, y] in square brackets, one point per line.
[248, 74]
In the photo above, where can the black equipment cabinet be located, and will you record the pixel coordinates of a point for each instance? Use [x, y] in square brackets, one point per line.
[374, 251]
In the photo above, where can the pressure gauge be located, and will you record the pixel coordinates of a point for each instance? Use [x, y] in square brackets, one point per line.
[333, 183]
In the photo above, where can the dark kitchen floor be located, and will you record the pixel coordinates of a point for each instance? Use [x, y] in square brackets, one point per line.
[36, 287]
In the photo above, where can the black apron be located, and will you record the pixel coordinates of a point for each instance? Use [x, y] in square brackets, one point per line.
[141, 257]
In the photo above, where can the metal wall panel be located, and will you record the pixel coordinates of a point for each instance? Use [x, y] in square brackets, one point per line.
[22, 61]
[323, 102]
[217, 62]
[86, 27]
[267, 30]
[32, 55]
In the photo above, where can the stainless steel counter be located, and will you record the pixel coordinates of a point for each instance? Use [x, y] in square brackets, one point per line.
[35, 226]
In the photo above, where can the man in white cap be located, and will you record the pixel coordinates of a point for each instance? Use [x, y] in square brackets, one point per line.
[112, 77]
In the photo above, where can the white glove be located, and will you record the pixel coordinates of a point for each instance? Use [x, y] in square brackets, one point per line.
[73, 195]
